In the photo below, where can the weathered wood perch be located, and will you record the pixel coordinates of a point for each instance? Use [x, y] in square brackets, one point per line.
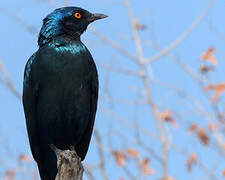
[69, 164]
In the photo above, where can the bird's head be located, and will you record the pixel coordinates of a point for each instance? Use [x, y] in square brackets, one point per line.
[72, 21]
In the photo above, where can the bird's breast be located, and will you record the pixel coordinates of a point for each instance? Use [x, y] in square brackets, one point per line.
[64, 98]
[73, 58]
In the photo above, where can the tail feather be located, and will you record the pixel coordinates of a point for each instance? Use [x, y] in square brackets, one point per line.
[47, 166]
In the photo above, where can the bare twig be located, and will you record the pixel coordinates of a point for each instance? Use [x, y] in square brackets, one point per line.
[29, 28]
[52, 3]
[207, 171]
[101, 155]
[118, 69]
[180, 39]
[148, 91]
[8, 82]
[88, 172]
[66, 2]
[114, 45]
[159, 125]
[136, 37]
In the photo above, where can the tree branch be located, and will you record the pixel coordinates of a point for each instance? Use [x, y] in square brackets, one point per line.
[69, 164]
[7, 81]
[185, 34]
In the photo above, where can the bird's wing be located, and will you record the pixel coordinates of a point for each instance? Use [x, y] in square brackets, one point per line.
[82, 147]
[30, 90]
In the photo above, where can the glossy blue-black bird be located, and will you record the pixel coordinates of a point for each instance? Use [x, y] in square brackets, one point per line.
[60, 89]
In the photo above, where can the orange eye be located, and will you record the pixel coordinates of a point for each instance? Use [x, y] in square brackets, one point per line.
[77, 15]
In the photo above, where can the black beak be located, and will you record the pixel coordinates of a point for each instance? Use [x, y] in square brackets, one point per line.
[96, 16]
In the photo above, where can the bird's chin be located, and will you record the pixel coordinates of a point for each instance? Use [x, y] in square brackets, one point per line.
[79, 33]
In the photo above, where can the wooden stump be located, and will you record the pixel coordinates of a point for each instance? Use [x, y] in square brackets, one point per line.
[69, 164]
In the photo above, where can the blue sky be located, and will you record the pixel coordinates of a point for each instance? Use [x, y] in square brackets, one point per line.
[168, 20]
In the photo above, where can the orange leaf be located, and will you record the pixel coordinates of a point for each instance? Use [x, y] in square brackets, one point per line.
[203, 136]
[10, 174]
[205, 69]
[208, 56]
[144, 167]
[132, 152]
[167, 117]
[192, 128]
[170, 178]
[223, 146]
[139, 26]
[25, 158]
[218, 89]
[192, 159]
[212, 126]
[223, 172]
[119, 157]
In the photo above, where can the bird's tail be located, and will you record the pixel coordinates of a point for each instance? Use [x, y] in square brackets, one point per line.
[48, 165]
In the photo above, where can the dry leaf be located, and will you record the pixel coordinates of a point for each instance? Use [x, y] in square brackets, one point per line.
[223, 173]
[144, 167]
[167, 178]
[221, 117]
[217, 88]
[223, 145]
[25, 158]
[203, 136]
[208, 56]
[205, 69]
[119, 157]
[170, 178]
[192, 128]
[212, 126]
[167, 117]
[138, 26]
[192, 159]
[9, 174]
[132, 152]
[200, 133]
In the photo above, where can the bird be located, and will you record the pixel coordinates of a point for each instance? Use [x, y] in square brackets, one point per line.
[60, 89]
